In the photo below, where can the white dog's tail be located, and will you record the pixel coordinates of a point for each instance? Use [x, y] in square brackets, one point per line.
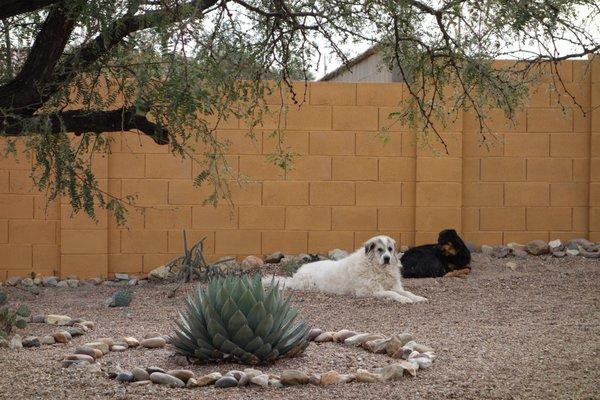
[283, 282]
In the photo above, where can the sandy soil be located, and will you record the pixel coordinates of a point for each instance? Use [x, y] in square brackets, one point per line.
[499, 334]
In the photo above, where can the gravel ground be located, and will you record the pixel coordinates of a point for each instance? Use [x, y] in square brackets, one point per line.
[499, 334]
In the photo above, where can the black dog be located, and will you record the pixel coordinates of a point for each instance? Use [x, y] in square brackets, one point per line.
[449, 256]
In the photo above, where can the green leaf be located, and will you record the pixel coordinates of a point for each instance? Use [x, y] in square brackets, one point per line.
[21, 323]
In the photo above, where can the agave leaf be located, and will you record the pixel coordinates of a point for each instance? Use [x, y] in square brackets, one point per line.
[243, 336]
[292, 337]
[236, 322]
[263, 351]
[228, 309]
[218, 340]
[257, 288]
[228, 346]
[216, 329]
[246, 302]
[21, 324]
[256, 315]
[254, 344]
[264, 327]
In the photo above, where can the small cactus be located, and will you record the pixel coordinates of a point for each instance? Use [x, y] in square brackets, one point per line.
[10, 319]
[121, 298]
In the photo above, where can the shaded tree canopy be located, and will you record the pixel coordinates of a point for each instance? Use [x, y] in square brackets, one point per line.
[167, 67]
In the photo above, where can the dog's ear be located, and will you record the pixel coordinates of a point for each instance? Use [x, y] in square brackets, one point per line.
[369, 246]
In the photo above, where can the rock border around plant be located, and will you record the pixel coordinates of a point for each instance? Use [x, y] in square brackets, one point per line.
[409, 356]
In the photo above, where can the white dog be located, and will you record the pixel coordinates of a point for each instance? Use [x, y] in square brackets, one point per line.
[373, 270]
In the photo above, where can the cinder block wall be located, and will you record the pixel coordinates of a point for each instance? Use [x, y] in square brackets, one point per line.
[539, 179]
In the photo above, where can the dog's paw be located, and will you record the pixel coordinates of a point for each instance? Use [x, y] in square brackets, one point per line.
[419, 299]
[403, 300]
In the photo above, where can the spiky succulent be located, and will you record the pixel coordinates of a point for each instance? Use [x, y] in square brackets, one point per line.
[12, 318]
[121, 298]
[236, 319]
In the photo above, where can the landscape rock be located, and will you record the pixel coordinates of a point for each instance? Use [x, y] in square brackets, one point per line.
[572, 252]
[72, 283]
[274, 258]
[337, 254]
[54, 319]
[559, 254]
[31, 341]
[377, 346]
[334, 377]
[361, 338]
[501, 251]
[27, 282]
[226, 382]
[537, 247]
[140, 374]
[131, 341]
[487, 250]
[3, 343]
[589, 254]
[121, 277]
[191, 383]
[125, 376]
[260, 380]
[276, 383]
[313, 333]
[209, 379]
[515, 246]
[183, 374]
[294, 377]
[80, 357]
[251, 372]
[12, 281]
[62, 284]
[38, 319]
[103, 347]
[424, 362]
[364, 376]
[47, 339]
[251, 262]
[15, 342]
[239, 376]
[153, 369]
[50, 281]
[116, 348]
[141, 383]
[342, 335]
[324, 337]
[167, 380]
[574, 244]
[74, 331]
[555, 244]
[518, 253]
[62, 337]
[88, 351]
[153, 343]
[396, 371]
[421, 348]
[88, 324]
[160, 274]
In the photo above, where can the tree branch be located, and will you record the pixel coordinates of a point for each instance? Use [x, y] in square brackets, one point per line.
[24, 93]
[82, 121]
[11, 8]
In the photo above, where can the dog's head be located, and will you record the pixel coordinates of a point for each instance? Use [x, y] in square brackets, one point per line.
[450, 243]
[381, 249]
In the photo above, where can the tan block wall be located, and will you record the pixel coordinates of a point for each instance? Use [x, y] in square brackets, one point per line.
[539, 179]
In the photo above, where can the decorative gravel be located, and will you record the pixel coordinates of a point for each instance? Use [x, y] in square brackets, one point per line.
[525, 331]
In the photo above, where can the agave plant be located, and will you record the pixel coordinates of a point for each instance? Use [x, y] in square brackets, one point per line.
[236, 319]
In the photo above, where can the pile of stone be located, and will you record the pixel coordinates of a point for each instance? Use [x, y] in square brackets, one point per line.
[70, 328]
[555, 248]
[74, 282]
[408, 355]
